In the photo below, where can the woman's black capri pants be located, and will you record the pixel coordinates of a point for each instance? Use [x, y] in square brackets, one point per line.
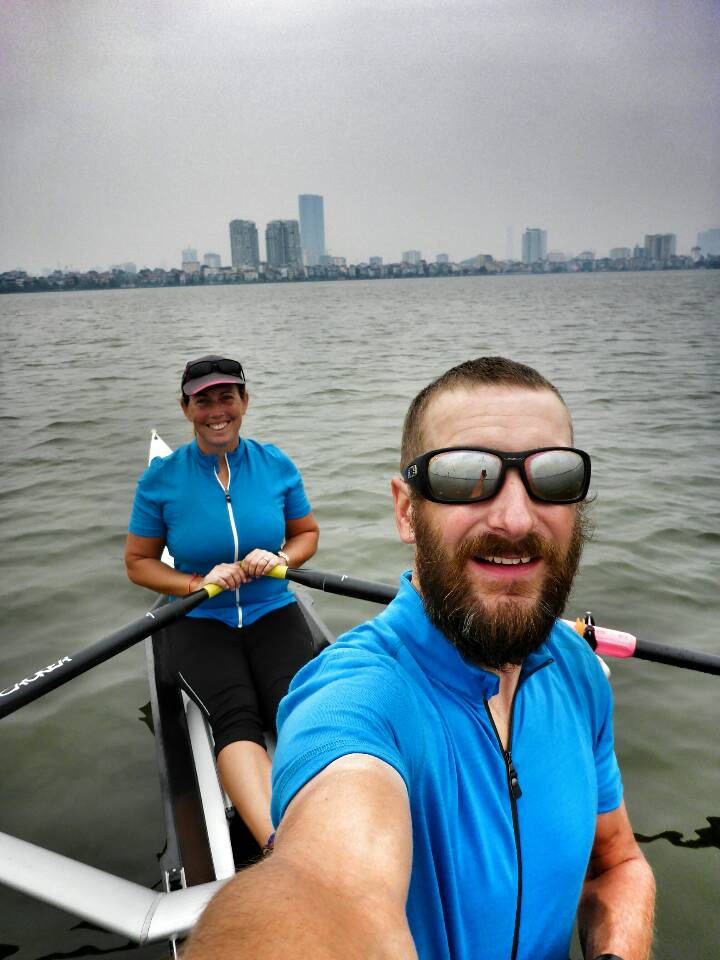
[239, 675]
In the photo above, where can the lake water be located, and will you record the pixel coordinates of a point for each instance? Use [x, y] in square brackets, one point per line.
[331, 369]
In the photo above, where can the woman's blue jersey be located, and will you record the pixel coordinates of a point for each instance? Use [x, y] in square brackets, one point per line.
[181, 499]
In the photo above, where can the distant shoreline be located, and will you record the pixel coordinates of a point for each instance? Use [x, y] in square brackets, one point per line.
[78, 283]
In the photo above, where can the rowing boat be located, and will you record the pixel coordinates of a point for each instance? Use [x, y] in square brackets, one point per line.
[206, 841]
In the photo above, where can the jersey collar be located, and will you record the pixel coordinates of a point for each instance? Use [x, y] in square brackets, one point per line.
[434, 653]
[210, 460]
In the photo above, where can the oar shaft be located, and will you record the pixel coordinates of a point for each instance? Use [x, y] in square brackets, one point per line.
[677, 657]
[384, 593]
[332, 583]
[65, 668]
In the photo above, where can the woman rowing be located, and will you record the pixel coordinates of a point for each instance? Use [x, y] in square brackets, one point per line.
[229, 509]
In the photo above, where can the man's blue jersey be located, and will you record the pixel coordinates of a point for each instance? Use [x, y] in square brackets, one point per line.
[491, 860]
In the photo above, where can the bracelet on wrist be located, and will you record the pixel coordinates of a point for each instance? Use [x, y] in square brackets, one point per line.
[283, 556]
[194, 576]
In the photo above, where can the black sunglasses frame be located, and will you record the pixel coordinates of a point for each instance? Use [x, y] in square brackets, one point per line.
[191, 373]
[416, 473]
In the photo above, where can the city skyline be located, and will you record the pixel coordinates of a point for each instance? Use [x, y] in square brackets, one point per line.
[285, 263]
[132, 129]
[284, 248]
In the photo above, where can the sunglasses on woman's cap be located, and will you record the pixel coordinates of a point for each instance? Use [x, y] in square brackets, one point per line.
[473, 474]
[208, 371]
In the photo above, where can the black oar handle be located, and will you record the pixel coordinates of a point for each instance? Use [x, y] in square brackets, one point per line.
[65, 668]
[384, 593]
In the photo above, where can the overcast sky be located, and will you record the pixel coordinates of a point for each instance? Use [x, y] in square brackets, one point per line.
[133, 129]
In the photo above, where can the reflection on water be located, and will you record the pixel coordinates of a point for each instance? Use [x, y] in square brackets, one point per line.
[705, 837]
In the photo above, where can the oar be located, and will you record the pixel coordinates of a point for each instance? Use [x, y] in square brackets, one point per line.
[334, 583]
[611, 643]
[53, 675]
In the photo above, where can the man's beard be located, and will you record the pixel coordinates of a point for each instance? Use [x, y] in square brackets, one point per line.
[503, 633]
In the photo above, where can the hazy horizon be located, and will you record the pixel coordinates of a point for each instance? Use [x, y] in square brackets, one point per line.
[133, 130]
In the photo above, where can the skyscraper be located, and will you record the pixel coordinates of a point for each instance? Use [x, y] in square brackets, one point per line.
[534, 245]
[312, 227]
[212, 260]
[709, 241]
[189, 255]
[660, 246]
[282, 239]
[412, 257]
[244, 249]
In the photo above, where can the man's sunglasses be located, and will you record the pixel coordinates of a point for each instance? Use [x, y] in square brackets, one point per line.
[473, 474]
[201, 368]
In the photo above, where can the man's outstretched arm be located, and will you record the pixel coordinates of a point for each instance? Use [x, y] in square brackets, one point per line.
[618, 899]
[336, 884]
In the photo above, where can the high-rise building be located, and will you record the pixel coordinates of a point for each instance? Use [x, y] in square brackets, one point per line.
[189, 255]
[376, 261]
[282, 239]
[244, 250]
[660, 246]
[212, 260]
[709, 242]
[442, 258]
[312, 227]
[411, 256]
[534, 245]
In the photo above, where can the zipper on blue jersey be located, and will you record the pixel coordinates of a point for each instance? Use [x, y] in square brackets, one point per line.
[515, 792]
[228, 502]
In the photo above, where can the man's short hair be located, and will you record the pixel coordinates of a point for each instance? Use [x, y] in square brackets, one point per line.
[483, 371]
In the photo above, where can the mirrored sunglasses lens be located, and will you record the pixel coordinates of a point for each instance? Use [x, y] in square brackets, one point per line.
[556, 475]
[463, 475]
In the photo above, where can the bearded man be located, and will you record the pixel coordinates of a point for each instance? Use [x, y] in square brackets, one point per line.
[445, 781]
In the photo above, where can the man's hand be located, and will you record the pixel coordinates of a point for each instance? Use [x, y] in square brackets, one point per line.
[616, 909]
[336, 883]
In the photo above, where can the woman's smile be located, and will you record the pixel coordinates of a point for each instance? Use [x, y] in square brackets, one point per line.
[216, 415]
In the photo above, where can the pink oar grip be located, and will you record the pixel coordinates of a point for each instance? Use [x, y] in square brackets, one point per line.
[614, 643]
[611, 643]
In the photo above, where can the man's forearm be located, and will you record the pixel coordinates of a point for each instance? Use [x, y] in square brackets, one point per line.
[616, 912]
[277, 910]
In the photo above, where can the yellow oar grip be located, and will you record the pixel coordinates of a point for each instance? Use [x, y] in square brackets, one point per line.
[212, 589]
[278, 572]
